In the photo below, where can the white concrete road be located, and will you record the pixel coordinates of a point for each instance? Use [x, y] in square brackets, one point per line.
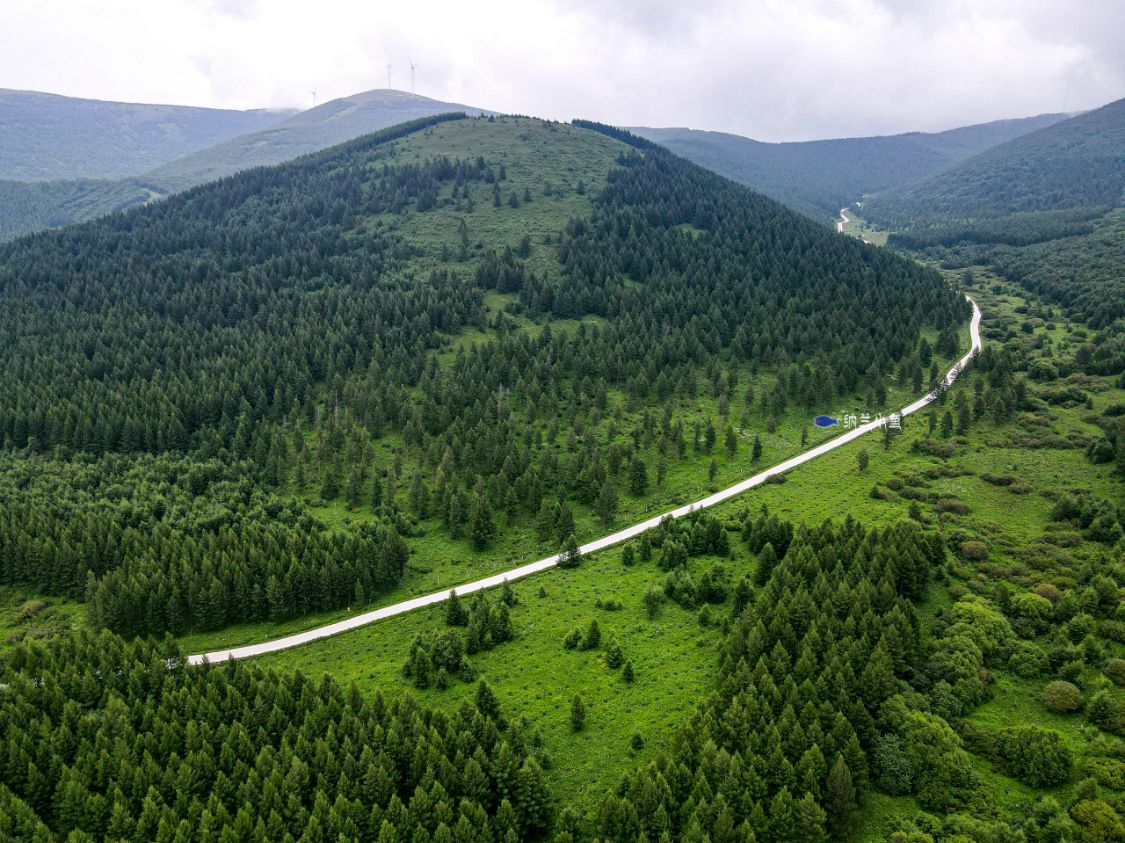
[596, 545]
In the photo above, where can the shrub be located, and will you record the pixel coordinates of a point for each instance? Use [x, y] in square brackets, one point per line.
[1107, 713]
[950, 505]
[974, 550]
[1072, 670]
[1062, 697]
[998, 479]
[1035, 756]
[1108, 771]
[1048, 591]
[1115, 670]
[893, 769]
[1028, 660]
[1033, 610]
[1098, 820]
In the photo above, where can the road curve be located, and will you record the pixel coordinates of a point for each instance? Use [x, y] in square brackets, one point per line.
[598, 544]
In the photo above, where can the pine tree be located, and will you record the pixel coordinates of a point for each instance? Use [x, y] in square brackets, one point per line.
[840, 799]
[638, 477]
[607, 503]
[482, 529]
[571, 556]
[767, 561]
[455, 614]
[756, 449]
[564, 524]
[545, 520]
[577, 714]
[614, 658]
[593, 636]
[330, 483]
[487, 703]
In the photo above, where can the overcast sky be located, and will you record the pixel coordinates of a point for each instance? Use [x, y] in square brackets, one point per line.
[772, 70]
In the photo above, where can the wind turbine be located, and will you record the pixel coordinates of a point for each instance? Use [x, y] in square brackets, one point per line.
[411, 76]
[388, 77]
[314, 98]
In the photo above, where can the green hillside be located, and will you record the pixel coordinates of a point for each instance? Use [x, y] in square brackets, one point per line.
[820, 177]
[46, 137]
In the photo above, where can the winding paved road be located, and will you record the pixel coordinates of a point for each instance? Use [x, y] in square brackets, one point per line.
[596, 545]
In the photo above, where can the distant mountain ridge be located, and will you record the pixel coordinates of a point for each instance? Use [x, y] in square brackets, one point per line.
[47, 137]
[27, 207]
[307, 131]
[1046, 210]
[819, 177]
[1074, 165]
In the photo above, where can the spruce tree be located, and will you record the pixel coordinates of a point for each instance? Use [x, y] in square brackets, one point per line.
[577, 714]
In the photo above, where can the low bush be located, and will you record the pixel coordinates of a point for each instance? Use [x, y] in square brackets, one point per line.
[974, 550]
[1062, 697]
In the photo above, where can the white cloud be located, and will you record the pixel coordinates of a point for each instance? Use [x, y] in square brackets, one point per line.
[774, 69]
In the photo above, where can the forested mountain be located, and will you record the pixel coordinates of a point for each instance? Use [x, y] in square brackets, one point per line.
[311, 304]
[820, 177]
[1044, 209]
[46, 137]
[29, 207]
[1076, 165]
